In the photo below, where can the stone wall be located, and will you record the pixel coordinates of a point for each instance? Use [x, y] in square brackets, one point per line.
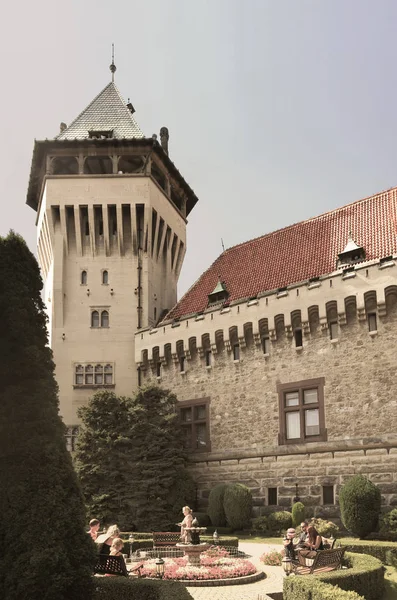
[359, 369]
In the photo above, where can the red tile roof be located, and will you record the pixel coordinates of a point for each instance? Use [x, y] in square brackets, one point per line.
[298, 252]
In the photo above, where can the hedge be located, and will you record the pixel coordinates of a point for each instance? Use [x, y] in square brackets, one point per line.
[386, 552]
[147, 543]
[365, 577]
[121, 588]
[301, 588]
[224, 540]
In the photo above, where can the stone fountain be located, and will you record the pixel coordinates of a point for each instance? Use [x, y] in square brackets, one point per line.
[194, 548]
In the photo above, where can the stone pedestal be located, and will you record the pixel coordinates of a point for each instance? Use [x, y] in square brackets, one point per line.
[193, 552]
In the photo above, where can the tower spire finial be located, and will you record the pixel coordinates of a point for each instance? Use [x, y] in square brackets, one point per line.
[113, 67]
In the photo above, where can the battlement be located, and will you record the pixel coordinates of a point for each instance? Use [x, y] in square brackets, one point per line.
[362, 292]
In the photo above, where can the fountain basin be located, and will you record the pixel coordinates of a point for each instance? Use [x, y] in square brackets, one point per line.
[193, 552]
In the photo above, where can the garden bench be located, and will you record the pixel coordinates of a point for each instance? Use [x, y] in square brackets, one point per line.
[114, 565]
[325, 560]
[328, 543]
[163, 539]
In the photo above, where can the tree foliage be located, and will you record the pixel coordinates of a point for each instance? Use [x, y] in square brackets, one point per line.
[237, 503]
[360, 503]
[46, 555]
[216, 509]
[298, 513]
[131, 461]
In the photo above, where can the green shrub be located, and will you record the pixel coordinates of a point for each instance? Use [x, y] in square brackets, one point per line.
[386, 552]
[237, 504]
[121, 588]
[389, 522]
[259, 524]
[364, 577]
[220, 530]
[360, 502]
[302, 588]
[272, 558]
[138, 535]
[325, 528]
[215, 505]
[279, 521]
[224, 540]
[202, 518]
[298, 513]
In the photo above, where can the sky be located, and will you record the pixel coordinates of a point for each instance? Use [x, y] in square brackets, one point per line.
[278, 110]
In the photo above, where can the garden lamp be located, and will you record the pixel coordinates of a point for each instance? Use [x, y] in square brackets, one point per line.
[160, 567]
[287, 565]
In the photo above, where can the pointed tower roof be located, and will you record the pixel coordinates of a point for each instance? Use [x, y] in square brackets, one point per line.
[107, 112]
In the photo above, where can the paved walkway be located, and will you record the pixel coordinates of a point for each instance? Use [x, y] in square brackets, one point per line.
[250, 591]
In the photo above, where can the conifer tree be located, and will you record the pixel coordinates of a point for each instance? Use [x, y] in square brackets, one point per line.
[45, 552]
[131, 461]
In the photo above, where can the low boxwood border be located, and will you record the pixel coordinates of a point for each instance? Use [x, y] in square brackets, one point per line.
[121, 588]
[300, 588]
[386, 552]
[365, 576]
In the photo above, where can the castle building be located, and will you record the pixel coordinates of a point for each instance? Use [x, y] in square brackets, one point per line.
[111, 232]
[283, 358]
[282, 354]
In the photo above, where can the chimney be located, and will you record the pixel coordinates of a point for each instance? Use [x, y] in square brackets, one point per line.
[62, 127]
[164, 137]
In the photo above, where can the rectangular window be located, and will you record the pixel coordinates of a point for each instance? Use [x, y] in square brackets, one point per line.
[266, 345]
[208, 358]
[194, 418]
[301, 412]
[93, 375]
[328, 494]
[272, 496]
[236, 352]
[372, 324]
[158, 369]
[182, 364]
[333, 330]
[298, 338]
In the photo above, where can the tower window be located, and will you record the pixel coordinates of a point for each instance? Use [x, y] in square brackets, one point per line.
[236, 352]
[83, 278]
[99, 318]
[158, 369]
[208, 358]
[266, 345]
[182, 364]
[328, 494]
[86, 375]
[333, 330]
[272, 496]
[87, 228]
[71, 438]
[105, 277]
[95, 318]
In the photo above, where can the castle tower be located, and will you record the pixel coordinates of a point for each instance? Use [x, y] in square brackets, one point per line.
[111, 232]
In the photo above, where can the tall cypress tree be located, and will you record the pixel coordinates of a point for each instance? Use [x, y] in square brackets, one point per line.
[45, 553]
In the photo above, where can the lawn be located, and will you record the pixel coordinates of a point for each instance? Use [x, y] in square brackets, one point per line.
[260, 540]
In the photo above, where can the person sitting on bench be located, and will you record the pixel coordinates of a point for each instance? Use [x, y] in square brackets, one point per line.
[105, 540]
[313, 543]
[115, 550]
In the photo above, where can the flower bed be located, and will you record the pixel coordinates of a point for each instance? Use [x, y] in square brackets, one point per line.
[272, 558]
[215, 564]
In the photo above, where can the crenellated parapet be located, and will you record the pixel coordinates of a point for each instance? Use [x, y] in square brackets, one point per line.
[365, 292]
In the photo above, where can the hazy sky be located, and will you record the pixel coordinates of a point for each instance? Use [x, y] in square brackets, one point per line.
[278, 110]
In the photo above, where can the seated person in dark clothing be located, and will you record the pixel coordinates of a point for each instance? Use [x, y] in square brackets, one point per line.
[303, 534]
[115, 550]
[313, 544]
[105, 540]
[289, 546]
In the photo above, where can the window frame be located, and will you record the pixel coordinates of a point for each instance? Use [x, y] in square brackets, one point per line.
[105, 276]
[274, 490]
[99, 310]
[332, 326]
[372, 316]
[329, 487]
[236, 352]
[301, 387]
[93, 372]
[83, 277]
[192, 404]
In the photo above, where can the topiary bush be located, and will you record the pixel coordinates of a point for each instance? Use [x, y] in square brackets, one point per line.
[386, 552]
[279, 521]
[325, 528]
[237, 504]
[303, 588]
[298, 513]
[215, 505]
[259, 524]
[389, 522]
[360, 502]
[121, 588]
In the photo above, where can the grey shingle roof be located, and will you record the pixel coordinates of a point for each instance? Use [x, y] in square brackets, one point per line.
[107, 111]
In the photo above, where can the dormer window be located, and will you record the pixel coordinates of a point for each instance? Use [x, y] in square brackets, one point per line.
[219, 294]
[100, 135]
[351, 254]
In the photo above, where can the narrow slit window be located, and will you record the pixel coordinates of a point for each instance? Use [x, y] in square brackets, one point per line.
[208, 358]
[298, 338]
[328, 494]
[95, 318]
[266, 345]
[333, 330]
[372, 322]
[182, 364]
[272, 496]
[158, 369]
[236, 352]
[105, 277]
[83, 279]
[104, 318]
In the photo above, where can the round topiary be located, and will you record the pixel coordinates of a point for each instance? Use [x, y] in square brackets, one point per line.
[360, 502]
[279, 521]
[215, 505]
[237, 503]
[298, 514]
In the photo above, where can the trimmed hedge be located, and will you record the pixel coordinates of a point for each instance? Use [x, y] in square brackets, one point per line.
[215, 505]
[365, 577]
[386, 552]
[204, 520]
[360, 503]
[279, 521]
[121, 588]
[147, 543]
[298, 513]
[237, 504]
[301, 588]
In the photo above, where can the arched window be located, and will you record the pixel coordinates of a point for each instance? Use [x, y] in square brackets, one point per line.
[79, 375]
[83, 277]
[104, 318]
[105, 277]
[95, 318]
